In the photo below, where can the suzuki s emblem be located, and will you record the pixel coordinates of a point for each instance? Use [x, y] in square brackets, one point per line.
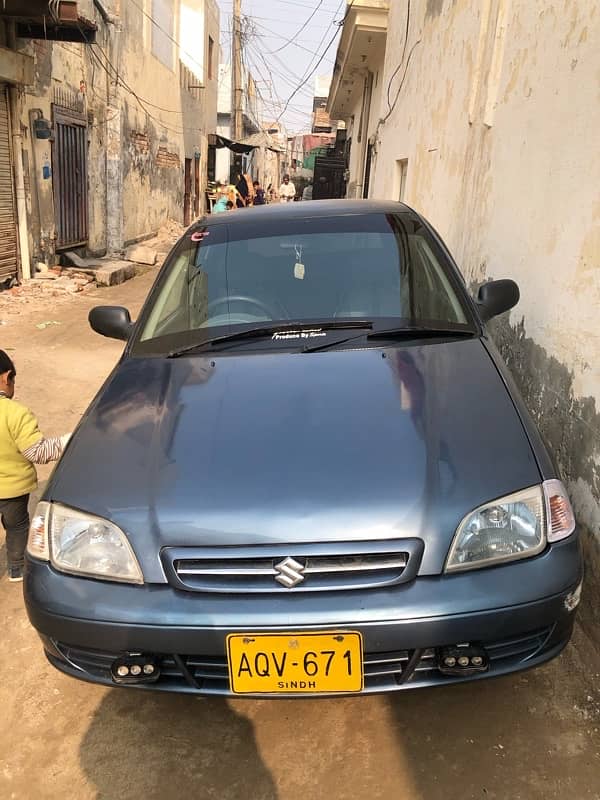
[290, 572]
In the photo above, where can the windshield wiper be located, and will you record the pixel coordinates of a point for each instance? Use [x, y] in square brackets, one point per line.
[269, 330]
[417, 331]
[407, 332]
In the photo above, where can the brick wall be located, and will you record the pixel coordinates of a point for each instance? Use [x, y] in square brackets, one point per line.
[140, 142]
[166, 159]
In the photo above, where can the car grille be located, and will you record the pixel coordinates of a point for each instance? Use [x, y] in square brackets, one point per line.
[301, 568]
[383, 671]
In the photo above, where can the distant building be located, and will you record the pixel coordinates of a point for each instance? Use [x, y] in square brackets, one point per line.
[321, 121]
[276, 164]
[227, 163]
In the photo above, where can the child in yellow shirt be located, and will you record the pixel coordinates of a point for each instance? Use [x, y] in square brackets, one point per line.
[22, 445]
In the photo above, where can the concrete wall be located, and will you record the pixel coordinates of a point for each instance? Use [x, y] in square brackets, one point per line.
[61, 70]
[170, 124]
[140, 130]
[152, 146]
[363, 122]
[223, 155]
[210, 97]
[250, 124]
[498, 116]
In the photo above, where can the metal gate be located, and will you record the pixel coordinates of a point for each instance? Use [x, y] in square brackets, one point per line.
[328, 181]
[69, 166]
[8, 217]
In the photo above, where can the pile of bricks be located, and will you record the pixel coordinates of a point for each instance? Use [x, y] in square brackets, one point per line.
[59, 280]
[52, 283]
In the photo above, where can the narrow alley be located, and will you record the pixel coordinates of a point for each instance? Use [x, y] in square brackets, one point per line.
[353, 442]
[534, 735]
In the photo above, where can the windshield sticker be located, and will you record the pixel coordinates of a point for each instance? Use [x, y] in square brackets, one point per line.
[312, 334]
[198, 236]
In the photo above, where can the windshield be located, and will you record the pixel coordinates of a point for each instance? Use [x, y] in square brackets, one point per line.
[228, 277]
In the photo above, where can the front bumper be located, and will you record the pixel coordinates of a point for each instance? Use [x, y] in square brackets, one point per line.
[85, 624]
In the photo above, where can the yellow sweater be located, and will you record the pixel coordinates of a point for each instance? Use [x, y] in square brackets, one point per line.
[18, 431]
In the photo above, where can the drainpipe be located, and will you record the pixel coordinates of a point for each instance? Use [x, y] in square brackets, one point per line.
[114, 165]
[17, 141]
[36, 113]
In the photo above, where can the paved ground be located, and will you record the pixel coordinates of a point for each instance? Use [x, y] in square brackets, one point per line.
[527, 737]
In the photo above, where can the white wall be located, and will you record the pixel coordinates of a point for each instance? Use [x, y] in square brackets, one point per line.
[499, 118]
[359, 148]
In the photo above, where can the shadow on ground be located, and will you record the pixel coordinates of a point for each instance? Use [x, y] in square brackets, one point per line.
[530, 736]
[523, 737]
[154, 745]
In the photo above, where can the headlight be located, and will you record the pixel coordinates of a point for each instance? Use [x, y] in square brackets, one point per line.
[82, 544]
[512, 527]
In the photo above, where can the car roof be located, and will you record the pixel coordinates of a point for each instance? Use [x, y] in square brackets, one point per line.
[305, 210]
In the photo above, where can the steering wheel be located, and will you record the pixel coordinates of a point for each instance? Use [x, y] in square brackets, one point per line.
[239, 298]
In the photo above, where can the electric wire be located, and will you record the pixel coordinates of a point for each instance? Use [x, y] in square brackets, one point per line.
[399, 67]
[119, 82]
[302, 28]
[271, 34]
[316, 66]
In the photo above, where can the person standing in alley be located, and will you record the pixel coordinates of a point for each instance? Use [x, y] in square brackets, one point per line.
[233, 196]
[22, 445]
[243, 192]
[221, 204]
[287, 190]
[259, 194]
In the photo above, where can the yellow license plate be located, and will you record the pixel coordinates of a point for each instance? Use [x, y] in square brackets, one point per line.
[295, 663]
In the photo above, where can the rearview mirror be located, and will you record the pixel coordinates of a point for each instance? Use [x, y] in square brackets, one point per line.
[112, 321]
[495, 297]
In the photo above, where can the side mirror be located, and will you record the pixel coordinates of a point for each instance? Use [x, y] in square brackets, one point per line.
[496, 297]
[112, 321]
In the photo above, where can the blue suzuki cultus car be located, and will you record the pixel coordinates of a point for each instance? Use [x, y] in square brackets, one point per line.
[310, 473]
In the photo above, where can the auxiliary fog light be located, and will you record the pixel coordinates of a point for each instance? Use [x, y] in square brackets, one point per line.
[462, 659]
[133, 668]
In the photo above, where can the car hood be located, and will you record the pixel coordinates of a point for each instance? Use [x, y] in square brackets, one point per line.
[292, 447]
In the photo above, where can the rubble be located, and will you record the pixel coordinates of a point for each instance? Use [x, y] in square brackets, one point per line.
[84, 274]
[141, 254]
[56, 283]
[114, 272]
[164, 240]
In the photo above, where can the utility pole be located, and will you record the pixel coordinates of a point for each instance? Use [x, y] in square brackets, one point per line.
[236, 71]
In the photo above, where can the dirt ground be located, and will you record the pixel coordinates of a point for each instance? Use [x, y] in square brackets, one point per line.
[535, 735]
